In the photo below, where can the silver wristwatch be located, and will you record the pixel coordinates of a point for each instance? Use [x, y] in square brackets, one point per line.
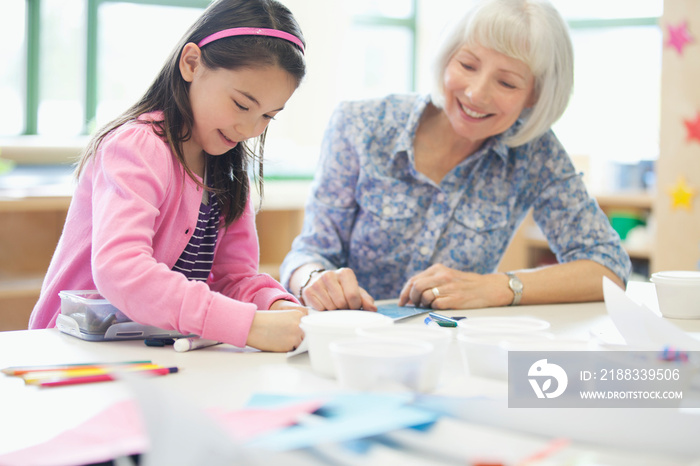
[516, 286]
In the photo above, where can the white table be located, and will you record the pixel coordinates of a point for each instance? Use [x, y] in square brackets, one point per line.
[225, 377]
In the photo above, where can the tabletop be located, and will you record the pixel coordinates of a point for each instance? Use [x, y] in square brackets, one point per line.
[225, 377]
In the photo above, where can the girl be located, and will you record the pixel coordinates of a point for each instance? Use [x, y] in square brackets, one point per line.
[161, 222]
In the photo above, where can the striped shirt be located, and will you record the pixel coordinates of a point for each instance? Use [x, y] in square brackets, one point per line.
[196, 260]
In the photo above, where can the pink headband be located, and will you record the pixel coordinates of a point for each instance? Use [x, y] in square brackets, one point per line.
[252, 32]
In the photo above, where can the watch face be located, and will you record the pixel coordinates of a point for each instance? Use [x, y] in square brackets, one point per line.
[515, 284]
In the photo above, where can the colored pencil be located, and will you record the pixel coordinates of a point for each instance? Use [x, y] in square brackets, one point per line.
[32, 377]
[19, 370]
[103, 377]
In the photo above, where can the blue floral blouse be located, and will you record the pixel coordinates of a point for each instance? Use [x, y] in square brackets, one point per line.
[371, 210]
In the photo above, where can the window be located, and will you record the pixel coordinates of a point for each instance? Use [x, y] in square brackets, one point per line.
[75, 65]
[78, 64]
[72, 67]
[613, 116]
[369, 52]
[379, 49]
[123, 71]
[13, 57]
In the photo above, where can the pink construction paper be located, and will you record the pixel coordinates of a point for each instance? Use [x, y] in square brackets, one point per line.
[245, 424]
[115, 431]
[119, 431]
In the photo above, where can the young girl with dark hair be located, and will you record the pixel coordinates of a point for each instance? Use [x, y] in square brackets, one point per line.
[161, 221]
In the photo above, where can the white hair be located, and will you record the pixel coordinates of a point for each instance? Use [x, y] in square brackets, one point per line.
[531, 31]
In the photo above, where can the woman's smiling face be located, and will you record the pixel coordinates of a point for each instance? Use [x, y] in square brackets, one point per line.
[485, 92]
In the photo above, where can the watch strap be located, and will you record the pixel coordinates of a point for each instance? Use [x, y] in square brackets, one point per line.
[308, 280]
[516, 286]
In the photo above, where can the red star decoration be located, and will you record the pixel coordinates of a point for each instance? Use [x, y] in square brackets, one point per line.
[679, 37]
[693, 128]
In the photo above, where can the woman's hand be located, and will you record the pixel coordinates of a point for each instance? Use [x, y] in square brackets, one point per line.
[336, 289]
[277, 329]
[441, 287]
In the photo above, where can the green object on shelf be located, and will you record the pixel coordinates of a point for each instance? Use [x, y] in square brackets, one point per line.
[623, 222]
[6, 165]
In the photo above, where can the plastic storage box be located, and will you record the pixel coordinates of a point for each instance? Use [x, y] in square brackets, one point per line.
[89, 316]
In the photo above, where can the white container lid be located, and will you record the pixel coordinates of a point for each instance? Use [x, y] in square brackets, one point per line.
[680, 277]
[497, 339]
[515, 324]
[380, 349]
[84, 296]
[406, 332]
[344, 319]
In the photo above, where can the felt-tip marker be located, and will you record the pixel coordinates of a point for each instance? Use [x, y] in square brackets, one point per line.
[444, 321]
[189, 344]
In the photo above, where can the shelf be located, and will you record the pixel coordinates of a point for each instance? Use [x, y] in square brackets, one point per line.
[271, 269]
[626, 199]
[536, 240]
[20, 287]
[34, 204]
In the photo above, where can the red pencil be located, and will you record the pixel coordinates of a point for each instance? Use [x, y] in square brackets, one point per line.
[103, 377]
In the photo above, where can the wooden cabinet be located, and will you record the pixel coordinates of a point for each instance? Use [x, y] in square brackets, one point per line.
[280, 221]
[29, 232]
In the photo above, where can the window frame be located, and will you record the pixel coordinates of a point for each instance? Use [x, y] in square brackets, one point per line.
[33, 53]
[410, 24]
[90, 97]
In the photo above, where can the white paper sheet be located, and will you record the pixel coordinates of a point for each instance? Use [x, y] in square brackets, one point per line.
[641, 328]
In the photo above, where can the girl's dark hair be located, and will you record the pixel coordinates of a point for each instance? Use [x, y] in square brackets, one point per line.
[169, 92]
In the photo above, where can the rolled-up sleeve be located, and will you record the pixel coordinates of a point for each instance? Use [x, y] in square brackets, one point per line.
[571, 220]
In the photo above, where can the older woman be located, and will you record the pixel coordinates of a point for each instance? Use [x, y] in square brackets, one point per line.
[417, 197]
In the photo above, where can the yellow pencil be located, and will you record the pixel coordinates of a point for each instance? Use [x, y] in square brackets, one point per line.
[20, 370]
[35, 377]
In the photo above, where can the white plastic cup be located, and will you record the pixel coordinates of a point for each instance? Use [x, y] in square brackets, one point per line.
[678, 293]
[439, 337]
[322, 328]
[369, 364]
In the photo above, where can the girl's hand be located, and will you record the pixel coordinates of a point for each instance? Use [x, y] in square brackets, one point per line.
[277, 330]
[456, 289]
[337, 289]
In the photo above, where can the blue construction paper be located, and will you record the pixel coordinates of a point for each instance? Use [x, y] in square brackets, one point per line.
[365, 424]
[345, 418]
[397, 312]
[337, 403]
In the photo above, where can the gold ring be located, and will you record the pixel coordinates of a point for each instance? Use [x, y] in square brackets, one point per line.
[436, 292]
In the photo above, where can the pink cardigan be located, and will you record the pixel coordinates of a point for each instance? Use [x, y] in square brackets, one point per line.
[133, 211]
